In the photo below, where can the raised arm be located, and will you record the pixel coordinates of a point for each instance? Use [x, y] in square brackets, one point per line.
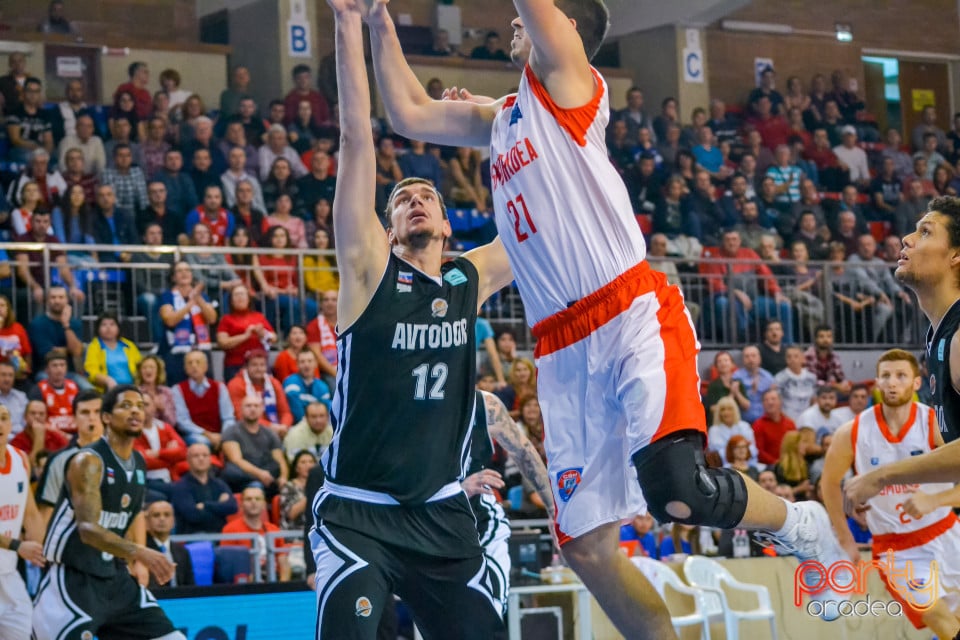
[412, 112]
[508, 435]
[493, 266]
[362, 246]
[83, 479]
[838, 461]
[558, 58]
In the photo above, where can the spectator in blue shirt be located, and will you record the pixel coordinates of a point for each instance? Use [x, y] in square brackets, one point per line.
[201, 501]
[303, 387]
[756, 381]
[417, 162]
[181, 193]
[641, 529]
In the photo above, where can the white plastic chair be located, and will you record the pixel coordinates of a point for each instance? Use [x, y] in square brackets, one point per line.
[662, 576]
[711, 576]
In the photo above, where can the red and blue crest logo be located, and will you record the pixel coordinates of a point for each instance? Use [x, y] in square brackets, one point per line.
[567, 482]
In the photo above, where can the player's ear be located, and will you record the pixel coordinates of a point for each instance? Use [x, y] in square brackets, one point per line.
[391, 237]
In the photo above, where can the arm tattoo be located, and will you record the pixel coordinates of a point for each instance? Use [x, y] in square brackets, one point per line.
[83, 478]
[508, 434]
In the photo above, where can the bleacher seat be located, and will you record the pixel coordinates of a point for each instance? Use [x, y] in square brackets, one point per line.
[203, 559]
[232, 565]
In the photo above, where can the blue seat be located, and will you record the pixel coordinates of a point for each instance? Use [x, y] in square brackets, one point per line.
[515, 496]
[232, 565]
[460, 220]
[202, 559]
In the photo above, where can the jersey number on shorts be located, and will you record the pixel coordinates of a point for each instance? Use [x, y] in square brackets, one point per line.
[439, 375]
[515, 212]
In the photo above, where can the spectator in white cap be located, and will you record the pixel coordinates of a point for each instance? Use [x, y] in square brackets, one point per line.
[853, 156]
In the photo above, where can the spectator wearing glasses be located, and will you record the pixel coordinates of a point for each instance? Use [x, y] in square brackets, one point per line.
[29, 126]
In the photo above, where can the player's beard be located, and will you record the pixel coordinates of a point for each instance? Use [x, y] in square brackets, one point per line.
[900, 400]
[421, 239]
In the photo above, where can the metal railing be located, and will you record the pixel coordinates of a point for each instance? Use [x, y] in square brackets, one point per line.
[269, 546]
[113, 281]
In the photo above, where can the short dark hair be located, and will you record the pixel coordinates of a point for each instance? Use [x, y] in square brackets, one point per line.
[949, 207]
[110, 397]
[85, 396]
[822, 327]
[592, 19]
[300, 68]
[32, 80]
[273, 103]
[491, 34]
[406, 182]
[57, 353]
[134, 67]
[120, 146]
[106, 315]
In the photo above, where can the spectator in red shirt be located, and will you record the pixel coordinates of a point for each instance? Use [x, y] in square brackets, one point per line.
[279, 279]
[769, 429]
[254, 379]
[37, 435]
[322, 337]
[303, 91]
[241, 331]
[774, 129]
[137, 87]
[14, 343]
[252, 507]
[757, 297]
[161, 446]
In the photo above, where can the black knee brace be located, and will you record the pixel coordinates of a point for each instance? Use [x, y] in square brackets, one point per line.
[673, 469]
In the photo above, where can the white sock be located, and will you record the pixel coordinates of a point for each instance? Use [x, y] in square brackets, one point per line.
[793, 515]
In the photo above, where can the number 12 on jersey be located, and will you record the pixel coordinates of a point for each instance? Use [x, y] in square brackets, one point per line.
[517, 222]
[439, 375]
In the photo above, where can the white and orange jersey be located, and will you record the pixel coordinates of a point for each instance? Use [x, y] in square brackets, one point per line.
[875, 446]
[562, 210]
[14, 485]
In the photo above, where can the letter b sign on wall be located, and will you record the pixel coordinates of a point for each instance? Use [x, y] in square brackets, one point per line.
[298, 31]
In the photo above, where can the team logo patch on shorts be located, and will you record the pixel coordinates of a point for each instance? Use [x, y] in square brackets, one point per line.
[567, 482]
[86, 635]
[364, 607]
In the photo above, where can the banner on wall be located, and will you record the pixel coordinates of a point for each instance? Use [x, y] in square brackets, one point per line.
[693, 58]
[298, 31]
[759, 66]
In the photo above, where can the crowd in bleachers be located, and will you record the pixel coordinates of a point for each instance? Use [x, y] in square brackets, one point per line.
[800, 176]
[771, 189]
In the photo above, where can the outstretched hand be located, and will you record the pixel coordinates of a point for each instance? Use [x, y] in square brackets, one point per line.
[453, 94]
[365, 8]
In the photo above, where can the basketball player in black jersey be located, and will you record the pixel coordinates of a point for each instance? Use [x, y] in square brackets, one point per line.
[96, 540]
[930, 266]
[494, 424]
[391, 516]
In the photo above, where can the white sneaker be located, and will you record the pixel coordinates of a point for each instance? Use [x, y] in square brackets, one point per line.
[812, 539]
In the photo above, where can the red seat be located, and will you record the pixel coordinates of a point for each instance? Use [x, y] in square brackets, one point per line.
[275, 510]
[879, 230]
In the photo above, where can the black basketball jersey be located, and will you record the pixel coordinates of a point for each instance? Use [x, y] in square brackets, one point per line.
[121, 495]
[405, 391]
[946, 400]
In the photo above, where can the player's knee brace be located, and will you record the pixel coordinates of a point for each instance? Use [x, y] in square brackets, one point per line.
[679, 487]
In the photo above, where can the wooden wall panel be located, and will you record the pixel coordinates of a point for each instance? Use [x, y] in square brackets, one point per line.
[731, 58]
[163, 20]
[909, 25]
